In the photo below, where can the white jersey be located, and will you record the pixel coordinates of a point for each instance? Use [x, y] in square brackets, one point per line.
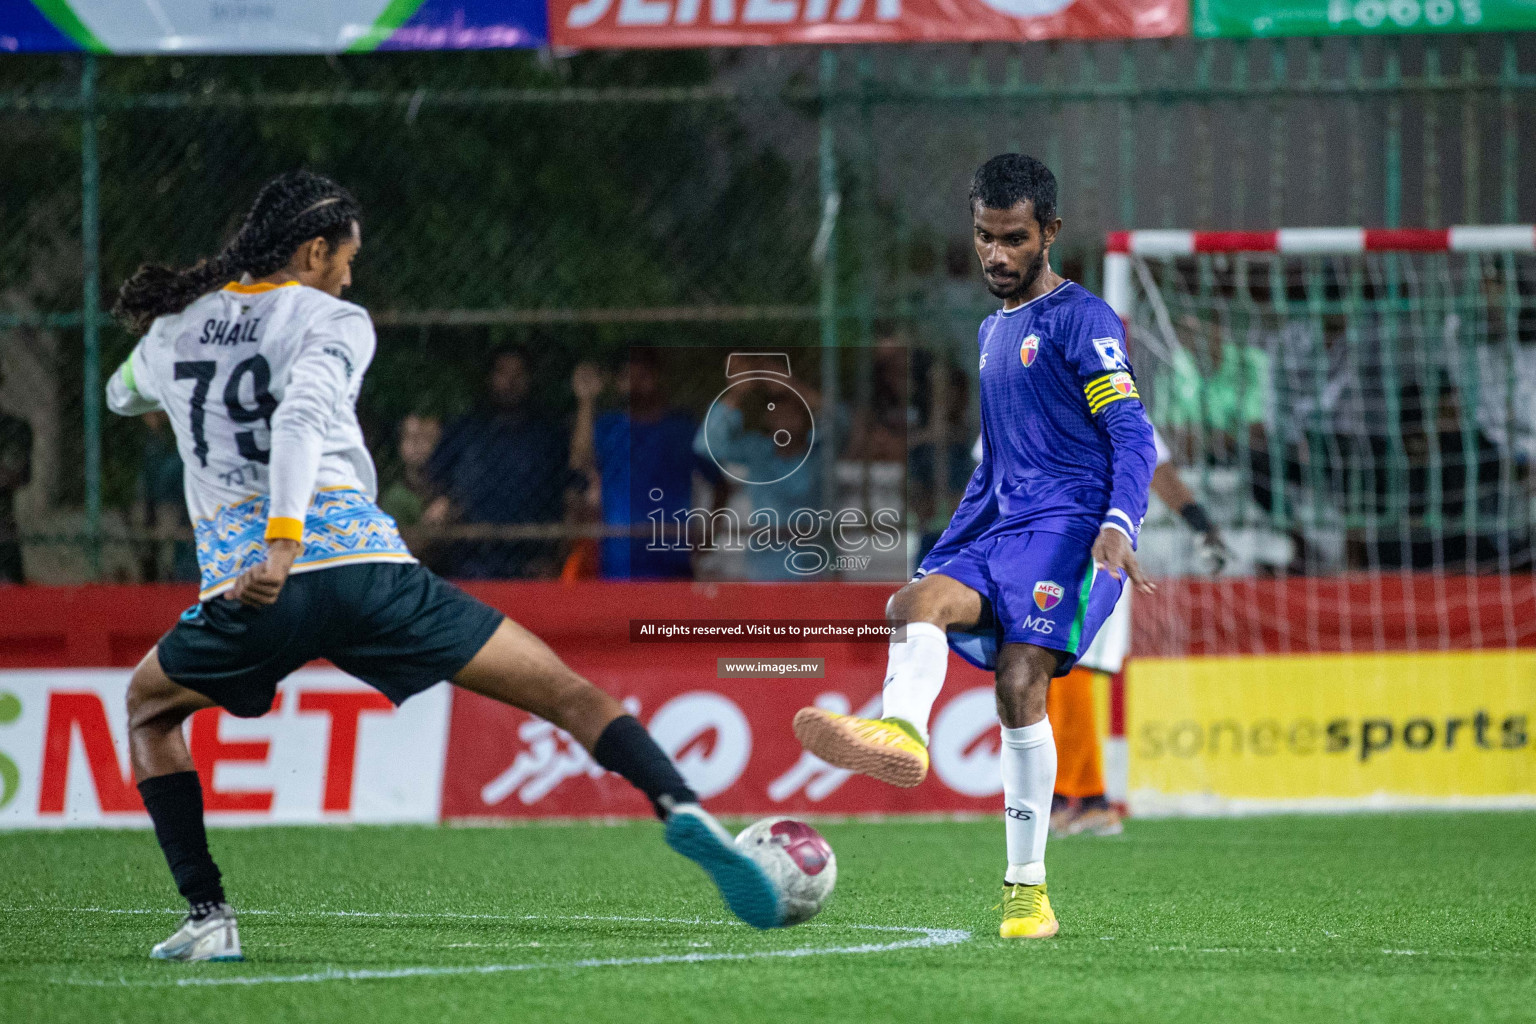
[260, 383]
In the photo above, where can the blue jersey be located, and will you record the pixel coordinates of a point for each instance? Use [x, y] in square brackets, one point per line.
[1066, 445]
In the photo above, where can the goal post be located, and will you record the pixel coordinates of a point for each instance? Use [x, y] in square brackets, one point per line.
[1356, 408]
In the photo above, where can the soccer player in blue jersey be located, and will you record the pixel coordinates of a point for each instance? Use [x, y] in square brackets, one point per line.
[1043, 542]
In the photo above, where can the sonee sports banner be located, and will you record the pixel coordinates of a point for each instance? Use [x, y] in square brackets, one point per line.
[1329, 732]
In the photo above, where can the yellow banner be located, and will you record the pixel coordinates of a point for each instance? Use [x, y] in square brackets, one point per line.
[1335, 730]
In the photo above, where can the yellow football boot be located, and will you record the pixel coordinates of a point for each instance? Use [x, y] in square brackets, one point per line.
[1027, 913]
[887, 749]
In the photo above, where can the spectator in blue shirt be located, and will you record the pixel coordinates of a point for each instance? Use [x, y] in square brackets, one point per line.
[780, 465]
[503, 464]
[642, 459]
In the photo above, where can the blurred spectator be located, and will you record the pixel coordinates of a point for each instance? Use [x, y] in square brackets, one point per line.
[948, 431]
[165, 505]
[776, 454]
[642, 460]
[15, 473]
[1434, 526]
[941, 408]
[1501, 330]
[1297, 445]
[501, 465]
[880, 430]
[407, 496]
[1211, 391]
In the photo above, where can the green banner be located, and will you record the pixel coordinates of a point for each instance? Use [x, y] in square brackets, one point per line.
[1358, 17]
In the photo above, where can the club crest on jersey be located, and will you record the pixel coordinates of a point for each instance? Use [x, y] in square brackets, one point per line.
[1047, 595]
[1028, 349]
[1123, 383]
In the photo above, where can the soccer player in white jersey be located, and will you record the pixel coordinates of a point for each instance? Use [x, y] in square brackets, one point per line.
[257, 361]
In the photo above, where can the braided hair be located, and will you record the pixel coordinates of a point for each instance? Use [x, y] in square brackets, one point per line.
[291, 209]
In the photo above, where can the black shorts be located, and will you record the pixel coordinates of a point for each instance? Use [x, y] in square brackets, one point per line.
[394, 625]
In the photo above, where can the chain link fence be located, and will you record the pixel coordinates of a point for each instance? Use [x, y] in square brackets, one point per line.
[527, 214]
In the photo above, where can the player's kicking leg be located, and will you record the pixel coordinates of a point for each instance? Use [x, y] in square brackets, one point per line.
[894, 748]
[517, 668]
[403, 643]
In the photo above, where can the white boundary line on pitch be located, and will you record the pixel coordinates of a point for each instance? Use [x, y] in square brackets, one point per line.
[394, 914]
[927, 938]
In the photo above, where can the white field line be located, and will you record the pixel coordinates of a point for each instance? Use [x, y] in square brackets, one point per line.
[924, 938]
[390, 914]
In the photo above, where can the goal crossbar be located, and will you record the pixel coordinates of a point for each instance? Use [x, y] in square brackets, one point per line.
[1120, 246]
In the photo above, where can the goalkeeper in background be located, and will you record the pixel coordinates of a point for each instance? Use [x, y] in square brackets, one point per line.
[1035, 557]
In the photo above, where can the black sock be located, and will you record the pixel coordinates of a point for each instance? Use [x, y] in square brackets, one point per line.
[175, 805]
[625, 747]
[1095, 803]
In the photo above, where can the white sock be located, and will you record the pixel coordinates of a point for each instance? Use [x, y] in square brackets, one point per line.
[1029, 779]
[914, 674]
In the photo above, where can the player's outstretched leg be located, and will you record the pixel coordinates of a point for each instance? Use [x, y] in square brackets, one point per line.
[173, 796]
[894, 747]
[1029, 778]
[517, 668]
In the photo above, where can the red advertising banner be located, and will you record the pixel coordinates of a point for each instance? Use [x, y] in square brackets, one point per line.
[594, 24]
[332, 749]
[731, 740]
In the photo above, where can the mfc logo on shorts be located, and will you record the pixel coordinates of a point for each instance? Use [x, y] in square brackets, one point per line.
[1047, 595]
[1028, 349]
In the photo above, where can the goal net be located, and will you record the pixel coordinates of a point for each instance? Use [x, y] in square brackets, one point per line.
[1357, 411]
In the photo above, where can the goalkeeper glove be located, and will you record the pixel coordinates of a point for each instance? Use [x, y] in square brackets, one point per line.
[1210, 547]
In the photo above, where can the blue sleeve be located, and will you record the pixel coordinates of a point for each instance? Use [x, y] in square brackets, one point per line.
[610, 441]
[1096, 351]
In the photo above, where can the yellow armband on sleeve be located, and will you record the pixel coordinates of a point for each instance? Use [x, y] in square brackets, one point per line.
[1113, 387]
[283, 528]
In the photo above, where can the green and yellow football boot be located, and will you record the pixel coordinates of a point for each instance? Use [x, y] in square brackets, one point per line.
[888, 749]
[1027, 913]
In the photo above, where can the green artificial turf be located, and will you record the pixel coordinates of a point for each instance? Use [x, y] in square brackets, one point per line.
[1297, 919]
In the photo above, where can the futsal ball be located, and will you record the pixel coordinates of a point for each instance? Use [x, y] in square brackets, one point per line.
[798, 861]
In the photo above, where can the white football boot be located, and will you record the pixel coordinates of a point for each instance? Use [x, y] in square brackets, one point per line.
[214, 937]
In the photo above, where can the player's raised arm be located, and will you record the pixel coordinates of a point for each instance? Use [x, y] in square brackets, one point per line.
[1109, 386]
[126, 396]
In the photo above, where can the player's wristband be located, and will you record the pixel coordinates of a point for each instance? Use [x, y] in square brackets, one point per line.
[1110, 524]
[1195, 515]
[283, 528]
[1119, 519]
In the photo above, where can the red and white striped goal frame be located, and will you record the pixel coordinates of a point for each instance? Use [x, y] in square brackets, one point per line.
[1121, 245]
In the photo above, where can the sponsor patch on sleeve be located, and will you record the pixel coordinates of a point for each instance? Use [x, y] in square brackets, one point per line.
[1111, 387]
[338, 353]
[1111, 354]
